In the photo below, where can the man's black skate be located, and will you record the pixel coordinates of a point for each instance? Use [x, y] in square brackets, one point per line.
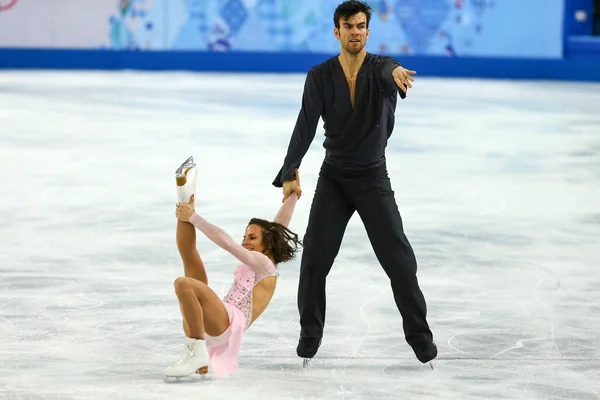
[426, 352]
[307, 348]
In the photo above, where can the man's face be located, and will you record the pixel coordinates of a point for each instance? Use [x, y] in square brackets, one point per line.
[353, 33]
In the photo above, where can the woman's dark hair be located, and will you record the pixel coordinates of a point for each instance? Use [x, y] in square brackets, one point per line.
[280, 243]
[350, 8]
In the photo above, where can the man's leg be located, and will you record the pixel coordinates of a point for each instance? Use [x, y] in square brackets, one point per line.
[329, 216]
[378, 210]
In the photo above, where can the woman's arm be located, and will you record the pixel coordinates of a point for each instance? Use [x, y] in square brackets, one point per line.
[284, 215]
[217, 235]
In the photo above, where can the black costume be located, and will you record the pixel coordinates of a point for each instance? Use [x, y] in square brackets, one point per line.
[353, 177]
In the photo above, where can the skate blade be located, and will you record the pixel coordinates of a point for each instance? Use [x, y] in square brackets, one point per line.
[173, 379]
[431, 365]
[187, 165]
[202, 371]
[305, 362]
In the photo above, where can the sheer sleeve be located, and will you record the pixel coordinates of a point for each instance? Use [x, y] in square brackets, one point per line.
[284, 215]
[253, 259]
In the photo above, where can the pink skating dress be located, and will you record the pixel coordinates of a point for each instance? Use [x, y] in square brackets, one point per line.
[224, 349]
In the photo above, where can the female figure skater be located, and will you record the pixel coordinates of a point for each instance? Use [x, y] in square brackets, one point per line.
[216, 326]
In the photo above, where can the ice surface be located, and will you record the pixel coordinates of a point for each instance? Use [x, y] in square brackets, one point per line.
[498, 183]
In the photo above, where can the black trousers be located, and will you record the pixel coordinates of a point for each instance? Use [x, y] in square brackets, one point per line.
[339, 193]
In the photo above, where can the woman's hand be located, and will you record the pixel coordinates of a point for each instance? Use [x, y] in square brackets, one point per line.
[184, 211]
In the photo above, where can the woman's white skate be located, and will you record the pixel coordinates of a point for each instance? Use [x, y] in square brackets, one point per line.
[194, 360]
[185, 177]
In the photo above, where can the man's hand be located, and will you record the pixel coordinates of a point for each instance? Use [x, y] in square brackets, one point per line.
[403, 77]
[290, 187]
[184, 211]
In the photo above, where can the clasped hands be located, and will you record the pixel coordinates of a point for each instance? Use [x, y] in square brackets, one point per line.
[290, 187]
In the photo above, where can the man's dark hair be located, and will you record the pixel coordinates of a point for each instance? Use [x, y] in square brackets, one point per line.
[350, 8]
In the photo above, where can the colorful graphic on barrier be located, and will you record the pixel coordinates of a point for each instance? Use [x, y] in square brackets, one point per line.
[510, 28]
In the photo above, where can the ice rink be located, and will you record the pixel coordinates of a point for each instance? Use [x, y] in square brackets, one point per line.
[498, 183]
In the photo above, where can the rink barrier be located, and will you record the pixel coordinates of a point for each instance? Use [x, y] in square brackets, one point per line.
[569, 69]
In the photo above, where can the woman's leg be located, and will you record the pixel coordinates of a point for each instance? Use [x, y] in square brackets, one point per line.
[195, 300]
[203, 312]
[193, 266]
[185, 176]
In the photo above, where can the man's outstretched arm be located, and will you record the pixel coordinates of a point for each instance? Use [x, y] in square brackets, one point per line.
[395, 75]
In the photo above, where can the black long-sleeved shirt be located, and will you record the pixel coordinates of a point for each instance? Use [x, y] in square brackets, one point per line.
[354, 137]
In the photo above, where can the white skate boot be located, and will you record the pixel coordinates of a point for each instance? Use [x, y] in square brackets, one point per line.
[185, 177]
[193, 361]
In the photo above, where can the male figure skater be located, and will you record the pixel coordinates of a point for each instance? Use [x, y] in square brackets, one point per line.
[355, 93]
